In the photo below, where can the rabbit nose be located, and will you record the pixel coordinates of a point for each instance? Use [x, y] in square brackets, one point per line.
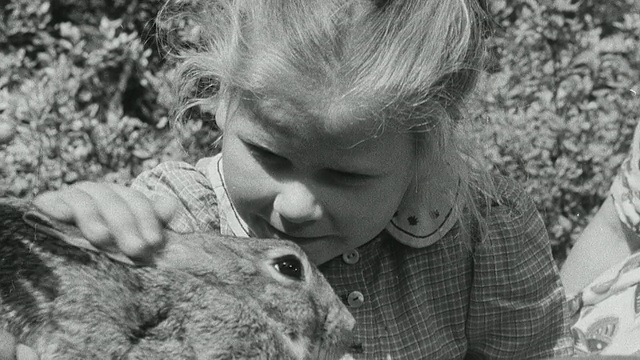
[297, 204]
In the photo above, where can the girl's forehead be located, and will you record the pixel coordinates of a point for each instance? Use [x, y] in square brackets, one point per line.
[342, 122]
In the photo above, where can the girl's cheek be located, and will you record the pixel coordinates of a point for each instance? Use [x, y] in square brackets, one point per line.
[246, 181]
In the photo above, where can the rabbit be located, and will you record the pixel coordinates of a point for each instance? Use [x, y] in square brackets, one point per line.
[204, 296]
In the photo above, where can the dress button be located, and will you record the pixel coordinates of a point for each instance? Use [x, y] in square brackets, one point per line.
[351, 257]
[355, 299]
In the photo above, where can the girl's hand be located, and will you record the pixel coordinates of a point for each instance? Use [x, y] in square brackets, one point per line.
[9, 350]
[112, 217]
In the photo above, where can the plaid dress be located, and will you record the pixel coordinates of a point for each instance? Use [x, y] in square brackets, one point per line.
[498, 299]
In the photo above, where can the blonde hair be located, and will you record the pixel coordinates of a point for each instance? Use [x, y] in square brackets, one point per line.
[408, 64]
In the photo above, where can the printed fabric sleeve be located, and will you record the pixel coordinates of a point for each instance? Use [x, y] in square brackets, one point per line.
[625, 189]
[517, 304]
[197, 210]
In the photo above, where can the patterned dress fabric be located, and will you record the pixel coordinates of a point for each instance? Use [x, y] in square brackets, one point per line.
[450, 297]
[607, 312]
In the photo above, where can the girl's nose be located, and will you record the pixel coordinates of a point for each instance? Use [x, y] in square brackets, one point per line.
[297, 204]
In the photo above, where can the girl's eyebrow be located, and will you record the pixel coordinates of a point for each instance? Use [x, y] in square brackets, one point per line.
[280, 116]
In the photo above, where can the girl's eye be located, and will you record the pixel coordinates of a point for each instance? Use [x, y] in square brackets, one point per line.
[347, 178]
[265, 156]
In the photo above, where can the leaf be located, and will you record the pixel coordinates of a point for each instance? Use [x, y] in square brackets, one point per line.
[613, 44]
[7, 131]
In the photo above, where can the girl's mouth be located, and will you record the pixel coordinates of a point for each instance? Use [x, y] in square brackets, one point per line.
[275, 233]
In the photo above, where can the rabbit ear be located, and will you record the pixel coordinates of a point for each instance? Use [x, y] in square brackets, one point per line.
[67, 233]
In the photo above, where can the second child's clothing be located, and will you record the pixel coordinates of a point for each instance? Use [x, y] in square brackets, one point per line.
[606, 313]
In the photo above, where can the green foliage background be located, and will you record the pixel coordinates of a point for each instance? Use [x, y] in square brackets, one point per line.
[87, 89]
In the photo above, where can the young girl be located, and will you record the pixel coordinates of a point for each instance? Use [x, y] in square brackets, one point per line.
[340, 123]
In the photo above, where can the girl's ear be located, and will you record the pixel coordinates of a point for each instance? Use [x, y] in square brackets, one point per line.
[222, 111]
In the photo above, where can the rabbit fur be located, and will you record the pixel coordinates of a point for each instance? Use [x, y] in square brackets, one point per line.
[204, 296]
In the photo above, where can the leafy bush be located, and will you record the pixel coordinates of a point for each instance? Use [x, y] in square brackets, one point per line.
[559, 112]
[88, 92]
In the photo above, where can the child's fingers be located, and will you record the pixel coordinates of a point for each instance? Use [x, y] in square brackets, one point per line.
[75, 205]
[51, 204]
[147, 218]
[121, 214]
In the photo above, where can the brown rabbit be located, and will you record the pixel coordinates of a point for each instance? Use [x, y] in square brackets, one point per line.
[204, 297]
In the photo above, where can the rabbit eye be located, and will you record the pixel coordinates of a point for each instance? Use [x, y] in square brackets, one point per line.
[289, 266]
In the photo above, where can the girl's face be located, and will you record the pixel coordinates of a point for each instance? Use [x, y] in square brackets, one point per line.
[324, 182]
